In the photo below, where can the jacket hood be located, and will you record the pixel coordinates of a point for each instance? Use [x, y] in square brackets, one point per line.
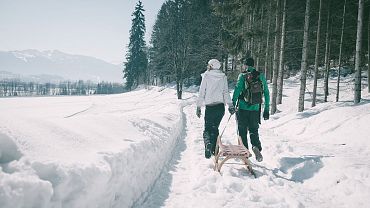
[215, 73]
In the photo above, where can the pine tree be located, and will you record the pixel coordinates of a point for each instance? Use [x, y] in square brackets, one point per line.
[135, 70]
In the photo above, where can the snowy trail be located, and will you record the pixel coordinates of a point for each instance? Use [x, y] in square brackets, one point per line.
[159, 191]
[195, 184]
[309, 162]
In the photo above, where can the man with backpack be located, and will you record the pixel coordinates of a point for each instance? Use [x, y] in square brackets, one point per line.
[214, 94]
[249, 90]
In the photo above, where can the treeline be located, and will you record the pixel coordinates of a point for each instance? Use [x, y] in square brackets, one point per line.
[16, 87]
[285, 37]
[186, 34]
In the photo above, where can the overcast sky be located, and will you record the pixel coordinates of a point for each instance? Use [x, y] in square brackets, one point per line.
[98, 28]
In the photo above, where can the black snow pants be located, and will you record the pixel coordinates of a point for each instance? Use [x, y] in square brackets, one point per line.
[212, 118]
[249, 120]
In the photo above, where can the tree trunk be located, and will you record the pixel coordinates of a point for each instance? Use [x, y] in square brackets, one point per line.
[253, 52]
[281, 61]
[248, 29]
[316, 58]
[259, 42]
[179, 90]
[340, 50]
[233, 63]
[271, 63]
[178, 71]
[368, 54]
[268, 41]
[358, 52]
[327, 53]
[304, 58]
[225, 64]
[276, 54]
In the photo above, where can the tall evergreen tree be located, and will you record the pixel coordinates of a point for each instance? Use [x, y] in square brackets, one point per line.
[135, 70]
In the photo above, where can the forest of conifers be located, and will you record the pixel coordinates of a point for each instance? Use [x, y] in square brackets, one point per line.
[285, 37]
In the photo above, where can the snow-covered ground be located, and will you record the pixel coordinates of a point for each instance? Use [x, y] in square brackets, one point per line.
[145, 149]
[98, 151]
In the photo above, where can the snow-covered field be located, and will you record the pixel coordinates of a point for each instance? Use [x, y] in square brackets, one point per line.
[145, 149]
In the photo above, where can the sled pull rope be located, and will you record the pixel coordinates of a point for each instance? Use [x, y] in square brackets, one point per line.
[225, 126]
[236, 109]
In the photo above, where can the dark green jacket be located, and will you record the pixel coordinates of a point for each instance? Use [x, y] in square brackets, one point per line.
[240, 85]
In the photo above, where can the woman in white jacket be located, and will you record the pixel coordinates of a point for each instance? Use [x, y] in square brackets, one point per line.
[213, 94]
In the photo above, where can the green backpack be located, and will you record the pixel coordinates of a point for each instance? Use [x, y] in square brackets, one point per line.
[253, 88]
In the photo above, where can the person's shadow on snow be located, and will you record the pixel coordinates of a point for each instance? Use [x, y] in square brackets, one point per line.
[296, 169]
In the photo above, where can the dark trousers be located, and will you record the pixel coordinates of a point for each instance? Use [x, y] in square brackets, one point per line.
[249, 120]
[212, 118]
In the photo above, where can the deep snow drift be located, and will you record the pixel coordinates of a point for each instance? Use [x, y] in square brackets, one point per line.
[145, 149]
[98, 151]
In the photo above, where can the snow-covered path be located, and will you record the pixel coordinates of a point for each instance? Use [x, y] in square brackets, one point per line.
[195, 184]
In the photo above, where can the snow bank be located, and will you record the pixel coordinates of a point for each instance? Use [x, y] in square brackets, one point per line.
[101, 151]
[8, 149]
[18, 184]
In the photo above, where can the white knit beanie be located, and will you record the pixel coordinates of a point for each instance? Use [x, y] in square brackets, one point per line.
[214, 64]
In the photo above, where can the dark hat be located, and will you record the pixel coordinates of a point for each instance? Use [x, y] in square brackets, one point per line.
[249, 61]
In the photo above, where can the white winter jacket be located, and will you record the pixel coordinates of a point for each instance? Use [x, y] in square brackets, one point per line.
[213, 89]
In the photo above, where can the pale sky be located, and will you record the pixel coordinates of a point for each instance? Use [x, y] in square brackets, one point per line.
[98, 28]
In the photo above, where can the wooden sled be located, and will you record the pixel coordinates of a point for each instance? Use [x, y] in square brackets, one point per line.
[226, 152]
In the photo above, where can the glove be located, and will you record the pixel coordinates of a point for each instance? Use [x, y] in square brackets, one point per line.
[199, 112]
[241, 96]
[231, 110]
[266, 115]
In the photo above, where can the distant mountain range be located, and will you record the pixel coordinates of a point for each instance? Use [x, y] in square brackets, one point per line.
[56, 66]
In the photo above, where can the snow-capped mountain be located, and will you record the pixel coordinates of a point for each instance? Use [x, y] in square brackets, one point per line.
[56, 63]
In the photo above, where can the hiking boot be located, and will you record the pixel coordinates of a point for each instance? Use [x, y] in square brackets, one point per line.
[257, 153]
[207, 151]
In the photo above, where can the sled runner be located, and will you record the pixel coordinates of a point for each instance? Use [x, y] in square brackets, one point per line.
[225, 152]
